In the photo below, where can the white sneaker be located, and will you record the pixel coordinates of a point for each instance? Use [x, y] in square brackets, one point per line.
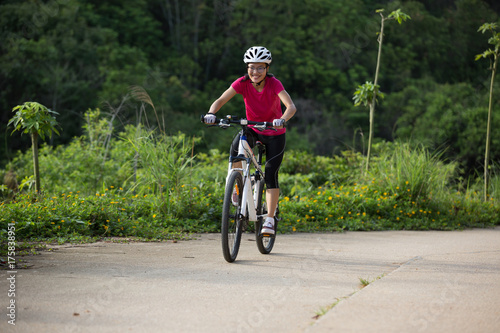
[268, 226]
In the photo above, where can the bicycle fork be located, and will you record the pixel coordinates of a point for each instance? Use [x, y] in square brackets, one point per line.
[249, 197]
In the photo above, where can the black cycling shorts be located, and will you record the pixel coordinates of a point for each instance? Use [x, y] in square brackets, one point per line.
[275, 148]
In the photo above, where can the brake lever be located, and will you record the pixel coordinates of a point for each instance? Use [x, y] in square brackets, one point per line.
[264, 127]
[223, 124]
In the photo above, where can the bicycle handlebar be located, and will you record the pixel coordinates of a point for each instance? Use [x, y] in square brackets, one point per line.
[226, 122]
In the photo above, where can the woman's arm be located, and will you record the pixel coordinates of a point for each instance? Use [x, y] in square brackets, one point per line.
[290, 107]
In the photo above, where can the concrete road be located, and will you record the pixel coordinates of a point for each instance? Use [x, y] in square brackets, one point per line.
[419, 282]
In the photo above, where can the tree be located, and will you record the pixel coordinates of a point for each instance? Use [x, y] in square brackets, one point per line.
[38, 121]
[366, 94]
[495, 53]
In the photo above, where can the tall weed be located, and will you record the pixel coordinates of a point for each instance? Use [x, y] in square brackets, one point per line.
[415, 169]
[164, 164]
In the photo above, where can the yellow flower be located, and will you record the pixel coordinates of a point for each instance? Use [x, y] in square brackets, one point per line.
[154, 215]
[293, 229]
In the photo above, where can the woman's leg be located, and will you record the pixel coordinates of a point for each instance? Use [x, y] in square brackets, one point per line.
[272, 198]
[275, 147]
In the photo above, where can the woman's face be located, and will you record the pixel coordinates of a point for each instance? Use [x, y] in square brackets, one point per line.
[257, 71]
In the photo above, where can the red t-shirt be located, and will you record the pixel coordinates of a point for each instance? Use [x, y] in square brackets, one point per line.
[264, 105]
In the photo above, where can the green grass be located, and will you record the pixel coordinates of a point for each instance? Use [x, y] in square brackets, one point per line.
[154, 187]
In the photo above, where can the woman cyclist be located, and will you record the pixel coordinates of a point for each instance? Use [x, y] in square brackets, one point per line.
[263, 95]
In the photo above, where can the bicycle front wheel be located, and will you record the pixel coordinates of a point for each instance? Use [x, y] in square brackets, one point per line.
[232, 221]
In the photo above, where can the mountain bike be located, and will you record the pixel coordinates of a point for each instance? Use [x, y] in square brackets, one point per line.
[244, 199]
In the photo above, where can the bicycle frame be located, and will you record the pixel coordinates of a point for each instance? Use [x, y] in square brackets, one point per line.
[249, 197]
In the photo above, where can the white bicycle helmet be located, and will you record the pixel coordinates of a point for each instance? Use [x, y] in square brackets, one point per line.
[257, 54]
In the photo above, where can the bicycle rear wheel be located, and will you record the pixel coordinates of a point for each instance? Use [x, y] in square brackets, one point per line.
[232, 223]
[264, 243]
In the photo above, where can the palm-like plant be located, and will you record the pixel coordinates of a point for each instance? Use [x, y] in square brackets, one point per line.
[38, 121]
[495, 53]
[366, 94]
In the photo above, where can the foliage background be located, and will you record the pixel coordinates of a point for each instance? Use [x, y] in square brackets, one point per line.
[75, 55]
[145, 184]
[125, 167]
